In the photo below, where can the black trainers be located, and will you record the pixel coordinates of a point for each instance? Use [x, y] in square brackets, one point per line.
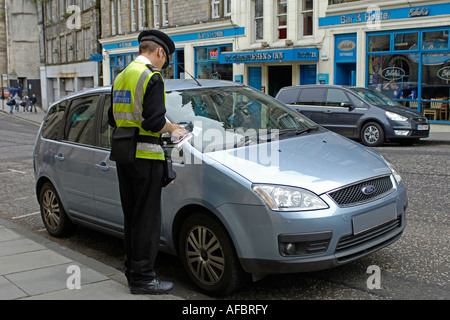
[155, 286]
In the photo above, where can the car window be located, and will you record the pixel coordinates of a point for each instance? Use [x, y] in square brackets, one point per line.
[314, 96]
[221, 116]
[54, 121]
[335, 97]
[80, 120]
[288, 96]
[105, 129]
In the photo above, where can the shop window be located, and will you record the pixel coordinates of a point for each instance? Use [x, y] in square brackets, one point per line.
[379, 43]
[406, 41]
[435, 96]
[435, 40]
[396, 76]
[208, 66]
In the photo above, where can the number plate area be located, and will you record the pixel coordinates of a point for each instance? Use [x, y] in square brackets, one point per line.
[374, 218]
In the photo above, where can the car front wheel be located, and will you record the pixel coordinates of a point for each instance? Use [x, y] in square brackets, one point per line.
[208, 255]
[372, 134]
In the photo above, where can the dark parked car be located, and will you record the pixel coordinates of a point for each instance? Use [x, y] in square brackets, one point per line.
[357, 113]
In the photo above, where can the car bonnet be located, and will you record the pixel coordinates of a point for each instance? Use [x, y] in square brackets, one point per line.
[317, 162]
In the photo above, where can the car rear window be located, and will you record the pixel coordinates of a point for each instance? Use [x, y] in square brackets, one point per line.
[288, 96]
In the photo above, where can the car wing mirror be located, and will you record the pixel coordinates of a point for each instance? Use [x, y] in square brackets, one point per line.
[347, 105]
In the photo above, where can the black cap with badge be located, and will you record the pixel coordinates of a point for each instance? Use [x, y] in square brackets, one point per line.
[160, 38]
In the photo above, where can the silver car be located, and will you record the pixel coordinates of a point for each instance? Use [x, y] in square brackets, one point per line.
[260, 189]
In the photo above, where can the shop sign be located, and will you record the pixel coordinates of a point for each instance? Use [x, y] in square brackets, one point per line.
[214, 54]
[96, 57]
[345, 48]
[392, 73]
[444, 73]
[305, 54]
[371, 16]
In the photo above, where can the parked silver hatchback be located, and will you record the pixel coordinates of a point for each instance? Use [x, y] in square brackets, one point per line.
[260, 189]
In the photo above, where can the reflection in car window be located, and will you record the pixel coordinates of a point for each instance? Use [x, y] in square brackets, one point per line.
[54, 121]
[80, 121]
[335, 97]
[375, 98]
[231, 113]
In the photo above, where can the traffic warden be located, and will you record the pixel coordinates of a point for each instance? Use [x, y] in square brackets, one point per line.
[138, 103]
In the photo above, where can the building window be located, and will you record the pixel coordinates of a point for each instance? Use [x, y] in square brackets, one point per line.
[87, 43]
[80, 45]
[282, 19]
[63, 48]
[49, 51]
[55, 51]
[259, 20]
[307, 17]
[119, 16]
[113, 18]
[137, 15]
[215, 9]
[156, 14]
[133, 16]
[141, 14]
[70, 49]
[165, 13]
[227, 8]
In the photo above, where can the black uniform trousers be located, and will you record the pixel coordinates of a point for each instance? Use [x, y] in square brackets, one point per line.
[140, 192]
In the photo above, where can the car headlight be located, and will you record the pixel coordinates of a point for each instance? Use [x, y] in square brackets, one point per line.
[395, 116]
[284, 198]
[396, 175]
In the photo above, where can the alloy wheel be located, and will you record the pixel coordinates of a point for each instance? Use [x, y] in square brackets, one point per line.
[205, 256]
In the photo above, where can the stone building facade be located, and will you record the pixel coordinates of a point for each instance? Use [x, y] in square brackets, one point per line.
[70, 32]
[19, 56]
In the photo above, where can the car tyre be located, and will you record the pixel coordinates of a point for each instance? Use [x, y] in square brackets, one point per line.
[53, 215]
[209, 257]
[372, 134]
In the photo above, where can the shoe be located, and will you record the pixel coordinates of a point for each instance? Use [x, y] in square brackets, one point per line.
[155, 286]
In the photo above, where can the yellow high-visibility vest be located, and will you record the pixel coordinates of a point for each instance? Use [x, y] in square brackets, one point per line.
[128, 95]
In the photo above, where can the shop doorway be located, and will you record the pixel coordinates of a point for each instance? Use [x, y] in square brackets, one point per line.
[345, 74]
[279, 77]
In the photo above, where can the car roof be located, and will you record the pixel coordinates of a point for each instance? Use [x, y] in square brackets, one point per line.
[170, 85]
[320, 86]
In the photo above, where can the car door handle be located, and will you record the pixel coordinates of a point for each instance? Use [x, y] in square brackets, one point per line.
[59, 157]
[102, 166]
[327, 111]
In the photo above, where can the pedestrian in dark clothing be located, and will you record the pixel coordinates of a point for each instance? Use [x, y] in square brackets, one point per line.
[33, 101]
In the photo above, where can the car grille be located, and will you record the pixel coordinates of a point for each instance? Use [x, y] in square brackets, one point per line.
[353, 194]
[353, 241]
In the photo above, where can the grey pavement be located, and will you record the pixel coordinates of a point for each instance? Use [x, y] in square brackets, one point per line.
[36, 268]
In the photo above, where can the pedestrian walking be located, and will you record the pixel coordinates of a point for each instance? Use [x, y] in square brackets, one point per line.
[138, 106]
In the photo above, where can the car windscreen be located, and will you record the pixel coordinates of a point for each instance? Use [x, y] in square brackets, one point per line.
[226, 116]
[375, 98]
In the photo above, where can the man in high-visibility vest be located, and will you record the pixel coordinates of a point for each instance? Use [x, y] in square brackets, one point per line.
[138, 101]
